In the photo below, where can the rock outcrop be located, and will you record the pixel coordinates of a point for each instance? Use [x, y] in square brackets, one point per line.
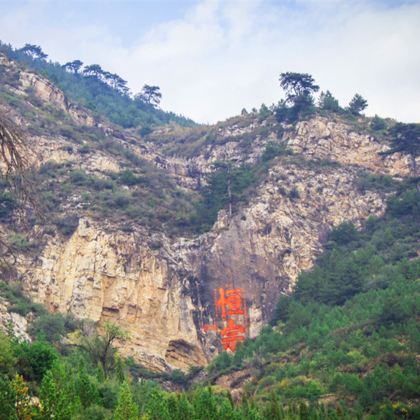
[13, 321]
[159, 288]
[116, 278]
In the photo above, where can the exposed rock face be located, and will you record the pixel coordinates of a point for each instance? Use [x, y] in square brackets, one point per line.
[336, 141]
[269, 243]
[17, 322]
[116, 278]
[160, 290]
[49, 93]
[163, 297]
[234, 382]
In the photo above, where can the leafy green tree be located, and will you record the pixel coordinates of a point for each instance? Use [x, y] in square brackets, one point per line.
[377, 123]
[116, 82]
[57, 395]
[205, 406]
[49, 327]
[282, 111]
[100, 347]
[274, 410]
[126, 408]
[7, 400]
[405, 204]
[93, 70]
[185, 409]
[406, 140]
[23, 407]
[86, 389]
[345, 233]
[7, 357]
[156, 406]
[281, 312]
[226, 411]
[357, 104]
[264, 112]
[393, 311]
[328, 102]
[34, 360]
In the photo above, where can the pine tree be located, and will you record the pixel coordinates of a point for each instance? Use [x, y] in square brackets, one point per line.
[357, 104]
[58, 398]
[185, 409]
[157, 407]
[406, 140]
[86, 389]
[126, 408]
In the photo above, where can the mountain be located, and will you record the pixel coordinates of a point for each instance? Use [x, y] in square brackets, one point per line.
[158, 232]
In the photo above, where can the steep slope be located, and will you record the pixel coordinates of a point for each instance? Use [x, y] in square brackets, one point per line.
[349, 332]
[118, 238]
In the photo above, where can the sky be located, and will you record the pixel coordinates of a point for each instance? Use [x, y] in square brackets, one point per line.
[211, 58]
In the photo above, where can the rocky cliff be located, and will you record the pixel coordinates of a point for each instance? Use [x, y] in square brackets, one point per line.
[160, 287]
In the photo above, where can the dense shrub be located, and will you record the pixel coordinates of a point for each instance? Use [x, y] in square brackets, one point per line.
[34, 360]
[378, 123]
[50, 327]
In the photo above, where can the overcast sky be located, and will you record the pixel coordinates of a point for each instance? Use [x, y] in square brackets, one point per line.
[211, 58]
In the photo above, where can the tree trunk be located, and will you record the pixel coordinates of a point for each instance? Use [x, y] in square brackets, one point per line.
[229, 191]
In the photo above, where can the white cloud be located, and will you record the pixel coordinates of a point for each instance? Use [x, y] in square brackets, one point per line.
[226, 55]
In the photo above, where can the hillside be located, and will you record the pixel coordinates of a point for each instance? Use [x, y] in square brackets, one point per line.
[101, 92]
[139, 233]
[344, 344]
[349, 333]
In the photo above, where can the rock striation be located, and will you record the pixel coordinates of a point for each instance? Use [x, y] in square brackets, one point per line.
[160, 288]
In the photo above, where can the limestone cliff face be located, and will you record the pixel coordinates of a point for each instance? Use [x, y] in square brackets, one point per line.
[49, 93]
[14, 321]
[116, 278]
[160, 288]
[339, 142]
[266, 246]
[163, 297]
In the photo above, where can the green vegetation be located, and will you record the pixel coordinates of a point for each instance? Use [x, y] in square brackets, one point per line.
[299, 89]
[299, 104]
[378, 123]
[357, 104]
[152, 197]
[71, 386]
[368, 181]
[349, 333]
[230, 186]
[343, 345]
[328, 102]
[405, 139]
[225, 189]
[102, 92]
[7, 205]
